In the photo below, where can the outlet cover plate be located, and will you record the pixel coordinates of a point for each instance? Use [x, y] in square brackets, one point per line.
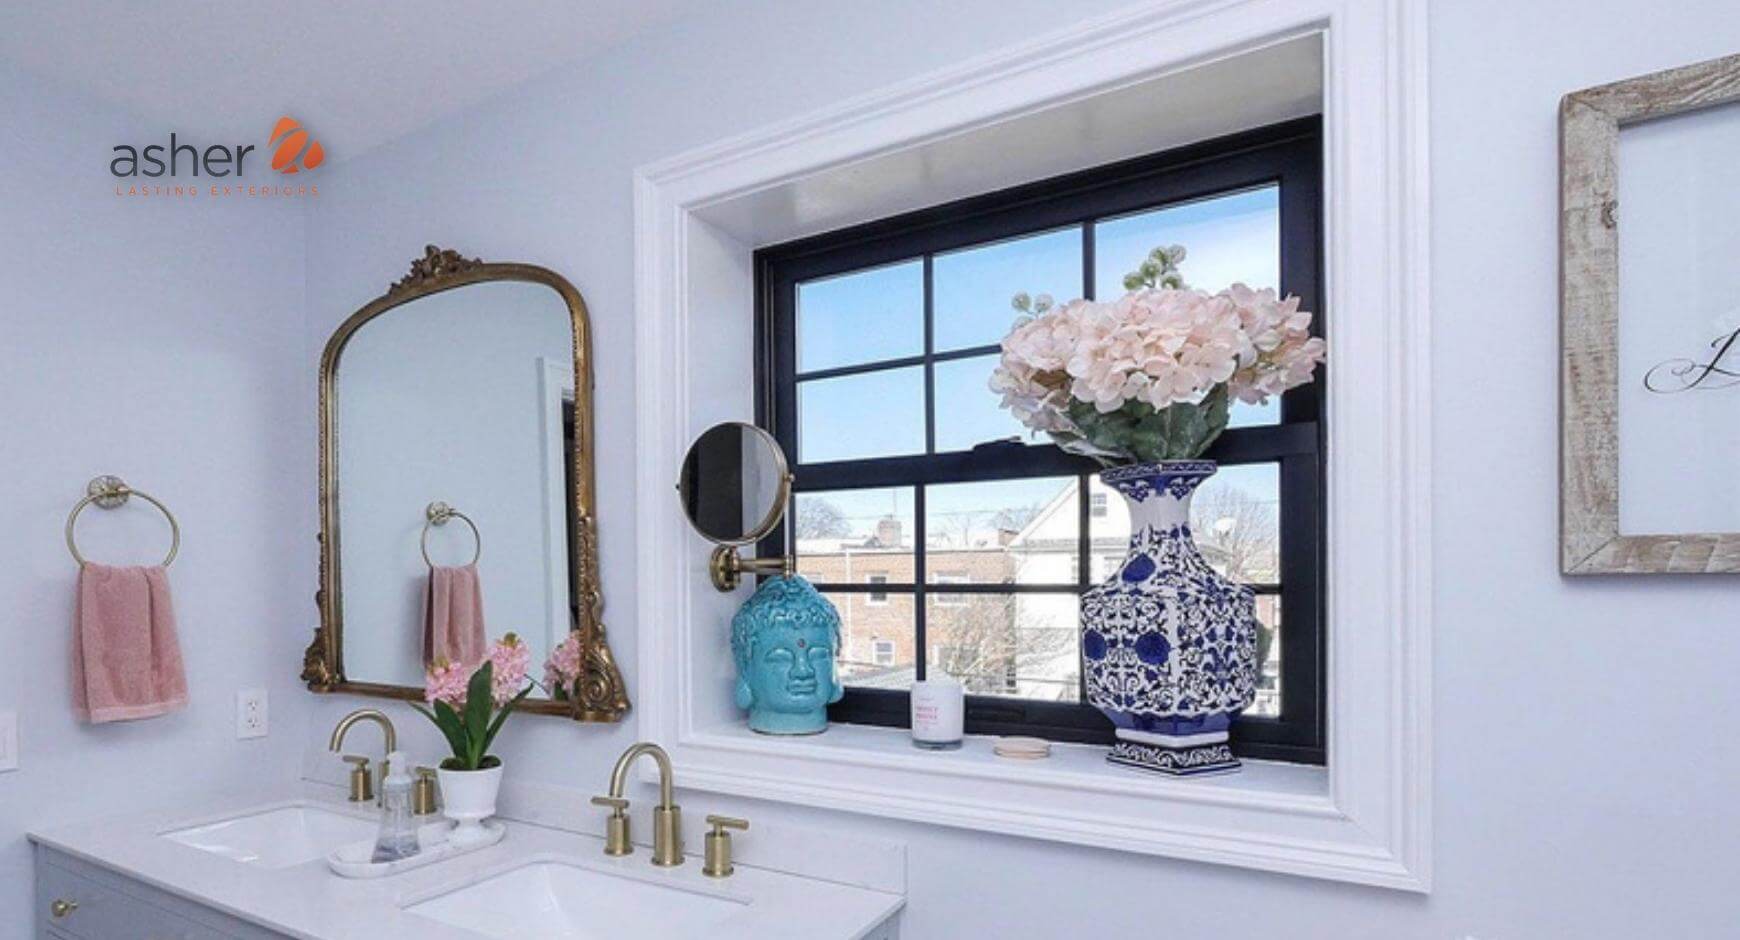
[251, 716]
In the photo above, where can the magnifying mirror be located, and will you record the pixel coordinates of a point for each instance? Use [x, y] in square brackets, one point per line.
[735, 486]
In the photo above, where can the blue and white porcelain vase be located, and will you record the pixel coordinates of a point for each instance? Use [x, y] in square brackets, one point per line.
[1170, 645]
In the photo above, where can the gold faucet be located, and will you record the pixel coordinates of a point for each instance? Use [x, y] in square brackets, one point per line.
[361, 788]
[667, 816]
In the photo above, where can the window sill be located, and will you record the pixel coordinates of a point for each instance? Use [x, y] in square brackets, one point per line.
[1273, 816]
[1080, 768]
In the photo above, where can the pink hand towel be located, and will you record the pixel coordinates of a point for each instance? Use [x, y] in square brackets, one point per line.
[453, 616]
[126, 657]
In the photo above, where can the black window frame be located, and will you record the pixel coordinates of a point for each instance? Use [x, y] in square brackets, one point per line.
[1287, 155]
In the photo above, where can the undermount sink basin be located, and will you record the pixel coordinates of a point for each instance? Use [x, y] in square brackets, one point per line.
[276, 837]
[561, 900]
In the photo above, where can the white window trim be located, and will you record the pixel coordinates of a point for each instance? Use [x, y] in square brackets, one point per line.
[876, 656]
[1366, 818]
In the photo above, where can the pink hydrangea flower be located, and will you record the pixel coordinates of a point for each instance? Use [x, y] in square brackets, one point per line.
[446, 682]
[562, 669]
[1160, 346]
[513, 661]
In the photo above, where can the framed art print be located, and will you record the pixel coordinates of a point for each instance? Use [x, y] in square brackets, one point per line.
[1650, 321]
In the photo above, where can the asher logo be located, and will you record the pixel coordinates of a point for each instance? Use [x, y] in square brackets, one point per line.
[294, 150]
[186, 171]
[294, 145]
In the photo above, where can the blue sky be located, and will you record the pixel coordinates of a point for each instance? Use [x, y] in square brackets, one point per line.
[878, 314]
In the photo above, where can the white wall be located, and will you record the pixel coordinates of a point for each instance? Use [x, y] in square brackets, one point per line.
[1580, 792]
[155, 340]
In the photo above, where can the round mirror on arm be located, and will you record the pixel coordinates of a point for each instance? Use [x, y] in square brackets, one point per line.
[734, 487]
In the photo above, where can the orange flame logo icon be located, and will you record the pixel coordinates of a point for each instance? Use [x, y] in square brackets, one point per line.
[295, 149]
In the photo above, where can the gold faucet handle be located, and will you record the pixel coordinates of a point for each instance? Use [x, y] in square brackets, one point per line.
[722, 823]
[361, 785]
[616, 841]
[717, 862]
[616, 804]
[423, 802]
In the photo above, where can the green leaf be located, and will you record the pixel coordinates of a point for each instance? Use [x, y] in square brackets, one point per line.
[445, 718]
[1139, 432]
[502, 717]
[477, 705]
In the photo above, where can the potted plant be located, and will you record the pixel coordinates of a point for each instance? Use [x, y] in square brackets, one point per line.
[470, 704]
[1142, 384]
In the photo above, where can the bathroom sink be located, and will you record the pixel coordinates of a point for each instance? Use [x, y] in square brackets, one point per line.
[276, 837]
[564, 900]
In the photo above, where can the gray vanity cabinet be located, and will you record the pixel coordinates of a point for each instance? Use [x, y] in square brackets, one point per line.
[79, 901]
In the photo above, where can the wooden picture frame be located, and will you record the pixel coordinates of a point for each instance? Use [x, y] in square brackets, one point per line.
[1590, 541]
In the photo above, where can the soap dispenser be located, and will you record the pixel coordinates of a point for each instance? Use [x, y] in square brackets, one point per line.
[398, 833]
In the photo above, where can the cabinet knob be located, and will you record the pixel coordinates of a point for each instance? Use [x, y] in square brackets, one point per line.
[62, 907]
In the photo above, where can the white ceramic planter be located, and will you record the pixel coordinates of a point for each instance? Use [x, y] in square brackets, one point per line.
[468, 798]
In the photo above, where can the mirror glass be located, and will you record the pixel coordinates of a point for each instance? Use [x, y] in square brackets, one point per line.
[463, 397]
[734, 483]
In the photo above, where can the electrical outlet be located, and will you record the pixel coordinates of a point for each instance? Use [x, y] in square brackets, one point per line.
[251, 713]
[8, 740]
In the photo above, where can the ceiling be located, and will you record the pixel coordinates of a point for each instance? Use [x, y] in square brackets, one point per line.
[358, 74]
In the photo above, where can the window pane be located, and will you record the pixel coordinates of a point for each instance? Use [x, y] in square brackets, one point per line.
[1235, 517]
[1268, 703]
[1237, 522]
[876, 414]
[973, 287]
[1236, 237]
[854, 536]
[1013, 645]
[967, 411]
[1228, 238]
[876, 640]
[1005, 532]
[861, 317]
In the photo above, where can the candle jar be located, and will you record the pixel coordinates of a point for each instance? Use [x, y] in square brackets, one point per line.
[938, 713]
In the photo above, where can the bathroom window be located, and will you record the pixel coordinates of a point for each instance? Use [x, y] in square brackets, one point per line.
[875, 344]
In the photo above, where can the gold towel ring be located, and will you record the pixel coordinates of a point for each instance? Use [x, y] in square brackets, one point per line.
[111, 492]
[438, 513]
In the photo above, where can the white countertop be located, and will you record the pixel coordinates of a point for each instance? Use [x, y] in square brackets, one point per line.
[309, 902]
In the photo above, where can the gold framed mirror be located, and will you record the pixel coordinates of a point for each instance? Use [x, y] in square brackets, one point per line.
[471, 402]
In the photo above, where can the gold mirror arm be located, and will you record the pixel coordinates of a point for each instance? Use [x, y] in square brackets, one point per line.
[726, 567]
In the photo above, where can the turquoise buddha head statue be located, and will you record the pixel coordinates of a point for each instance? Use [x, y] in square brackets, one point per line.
[784, 640]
